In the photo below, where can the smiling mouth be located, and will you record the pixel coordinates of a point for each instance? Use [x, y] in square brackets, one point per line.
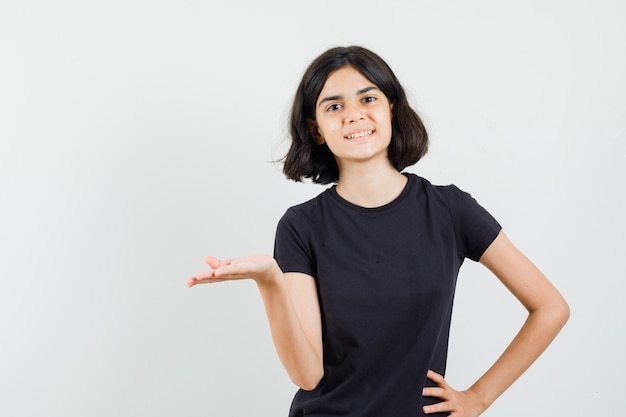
[360, 134]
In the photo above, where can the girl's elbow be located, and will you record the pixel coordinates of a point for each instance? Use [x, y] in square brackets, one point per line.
[554, 315]
[555, 310]
[309, 386]
[309, 382]
[564, 312]
[558, 314]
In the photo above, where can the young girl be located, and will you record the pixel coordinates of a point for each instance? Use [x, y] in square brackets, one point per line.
[359, 292]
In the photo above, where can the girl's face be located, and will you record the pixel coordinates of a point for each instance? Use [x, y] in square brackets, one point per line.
[353, 118]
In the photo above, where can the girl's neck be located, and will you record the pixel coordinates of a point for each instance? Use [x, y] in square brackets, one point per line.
[367, 187]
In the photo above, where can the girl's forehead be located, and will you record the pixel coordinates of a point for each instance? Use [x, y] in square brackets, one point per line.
[345, 78]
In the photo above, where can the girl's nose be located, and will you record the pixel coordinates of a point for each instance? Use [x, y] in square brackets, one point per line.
[353, 112]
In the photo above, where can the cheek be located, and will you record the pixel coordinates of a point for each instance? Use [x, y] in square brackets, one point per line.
[385, 120]
[327, 128]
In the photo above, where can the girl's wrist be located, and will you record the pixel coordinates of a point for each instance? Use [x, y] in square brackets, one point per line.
[272, 278]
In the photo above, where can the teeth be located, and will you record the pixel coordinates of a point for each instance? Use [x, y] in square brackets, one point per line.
[360, 134]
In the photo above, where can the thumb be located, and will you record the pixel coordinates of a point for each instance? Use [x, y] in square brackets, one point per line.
[215, 263]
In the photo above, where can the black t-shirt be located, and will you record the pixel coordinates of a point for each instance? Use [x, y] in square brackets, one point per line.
[385, 278]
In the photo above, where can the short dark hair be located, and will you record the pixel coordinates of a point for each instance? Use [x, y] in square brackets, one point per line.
[308, 159]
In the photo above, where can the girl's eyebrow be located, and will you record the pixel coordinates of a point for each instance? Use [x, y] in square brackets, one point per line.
[358, 93]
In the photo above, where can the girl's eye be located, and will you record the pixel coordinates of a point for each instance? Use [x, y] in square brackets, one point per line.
[369, 99]
[334, 107]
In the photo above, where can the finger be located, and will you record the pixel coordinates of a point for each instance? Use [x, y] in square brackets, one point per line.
[201, 278]
[204, 275]
[206, 281]
[434, 392]
[215, 263]
[214, 280]
[227, 271]
[234, 270]
[195, 281]
[436, 378]
[437, 408]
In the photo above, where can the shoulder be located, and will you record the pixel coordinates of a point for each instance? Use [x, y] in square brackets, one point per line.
[309, 206]
[446, 193]
[462, 206]
[300, 214]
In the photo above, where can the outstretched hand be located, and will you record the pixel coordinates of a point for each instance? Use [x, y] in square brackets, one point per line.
[261, 268]
[457, 403]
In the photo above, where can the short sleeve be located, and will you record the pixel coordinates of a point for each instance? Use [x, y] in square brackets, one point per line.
[474, 227]
[291, 248]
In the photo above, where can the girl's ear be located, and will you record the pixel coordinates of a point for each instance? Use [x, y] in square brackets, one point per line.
[315, 132]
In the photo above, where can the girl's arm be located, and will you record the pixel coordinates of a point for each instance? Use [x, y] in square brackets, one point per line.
[292, 309]
[547, 314]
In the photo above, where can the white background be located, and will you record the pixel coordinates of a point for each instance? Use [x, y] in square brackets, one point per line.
[138, 136]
